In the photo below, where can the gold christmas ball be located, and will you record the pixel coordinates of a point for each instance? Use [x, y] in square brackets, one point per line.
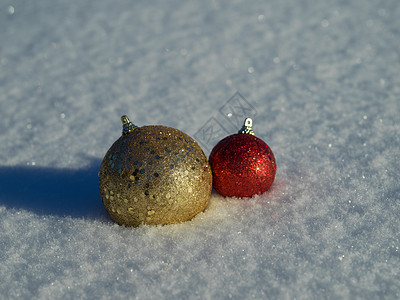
[154, 175]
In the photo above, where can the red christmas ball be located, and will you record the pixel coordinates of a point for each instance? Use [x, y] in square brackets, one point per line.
[242, 164]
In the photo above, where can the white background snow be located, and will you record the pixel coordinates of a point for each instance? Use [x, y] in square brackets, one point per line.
[324, 79]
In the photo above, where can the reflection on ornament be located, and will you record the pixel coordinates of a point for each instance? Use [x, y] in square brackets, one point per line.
[242, 164]
[154, 175]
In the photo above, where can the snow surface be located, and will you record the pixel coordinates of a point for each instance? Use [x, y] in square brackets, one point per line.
[323, 77]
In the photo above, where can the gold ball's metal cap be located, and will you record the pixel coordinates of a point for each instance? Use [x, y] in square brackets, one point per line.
[127, 125]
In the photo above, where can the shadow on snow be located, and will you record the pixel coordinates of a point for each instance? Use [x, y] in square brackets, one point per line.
[50, 191]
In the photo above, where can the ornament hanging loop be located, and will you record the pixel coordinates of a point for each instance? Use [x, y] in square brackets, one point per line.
[127, 125]
[247, 127]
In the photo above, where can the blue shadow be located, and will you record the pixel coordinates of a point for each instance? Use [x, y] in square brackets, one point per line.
[50, 191]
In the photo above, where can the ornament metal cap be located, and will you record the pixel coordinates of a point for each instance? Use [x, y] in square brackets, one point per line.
[247, 127]
[127, 125]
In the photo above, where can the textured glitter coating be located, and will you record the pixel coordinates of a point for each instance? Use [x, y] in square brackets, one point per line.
[154, 175]
[242, 166]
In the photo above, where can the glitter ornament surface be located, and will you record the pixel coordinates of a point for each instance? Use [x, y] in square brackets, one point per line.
[242, 164]
[154, 175]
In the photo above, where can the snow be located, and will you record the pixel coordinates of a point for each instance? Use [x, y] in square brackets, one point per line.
[323, 80]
